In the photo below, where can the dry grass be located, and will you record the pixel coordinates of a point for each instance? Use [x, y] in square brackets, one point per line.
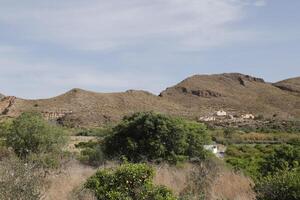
[218, 183]
[215, 181]
[173, 177]
[232, 186]
[62, 185]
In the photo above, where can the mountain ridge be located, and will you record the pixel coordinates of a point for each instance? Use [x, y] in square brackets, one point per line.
[193, 97]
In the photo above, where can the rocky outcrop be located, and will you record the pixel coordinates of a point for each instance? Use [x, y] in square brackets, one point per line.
[55, 115]
[6, 103]
[199, 93]
[243, 79]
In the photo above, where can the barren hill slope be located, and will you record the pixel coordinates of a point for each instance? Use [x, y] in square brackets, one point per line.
[233, 92]
[291, 85]
[90, 109]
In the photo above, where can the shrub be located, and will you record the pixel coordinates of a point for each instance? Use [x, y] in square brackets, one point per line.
[19, 180]
[30, 136]
[157, 137]
[127, 182]
[283, 185]
[284, 157]
[93, 156]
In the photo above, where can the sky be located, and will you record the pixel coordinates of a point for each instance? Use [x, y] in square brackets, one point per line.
[51, 46]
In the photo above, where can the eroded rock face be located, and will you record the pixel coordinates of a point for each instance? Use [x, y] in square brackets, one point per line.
[6, 103]
[54, 115]
[200, 93]
[242, 79]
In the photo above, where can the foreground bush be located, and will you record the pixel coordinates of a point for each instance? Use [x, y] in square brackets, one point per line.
[283, 185]
[19, 180]
[150, 136]
[30, 136]
[127, 182]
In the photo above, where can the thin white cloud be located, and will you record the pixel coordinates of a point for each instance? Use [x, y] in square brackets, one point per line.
[103, 25]
[260, 3]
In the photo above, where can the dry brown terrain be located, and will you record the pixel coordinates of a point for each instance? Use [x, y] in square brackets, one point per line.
[195, 96]
[291, 85]
[235, 92]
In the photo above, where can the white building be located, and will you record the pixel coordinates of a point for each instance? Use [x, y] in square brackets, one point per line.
[207, 119]
[248, 116]
[217, 149]
[221, 113]
[212, 148]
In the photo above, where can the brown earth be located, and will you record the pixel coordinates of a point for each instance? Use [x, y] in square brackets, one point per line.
[195, 96]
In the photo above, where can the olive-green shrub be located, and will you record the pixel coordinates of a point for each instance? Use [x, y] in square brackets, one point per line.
[127, 182]
[31, 137]
[282, 185]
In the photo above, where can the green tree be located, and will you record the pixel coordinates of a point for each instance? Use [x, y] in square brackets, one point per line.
[31, 137]
[151, 136]
[127, 182]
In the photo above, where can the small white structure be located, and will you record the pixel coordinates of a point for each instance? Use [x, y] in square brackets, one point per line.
[212, 148]
[207, 119]
[221, 113]
[248, 116]
[217, 149]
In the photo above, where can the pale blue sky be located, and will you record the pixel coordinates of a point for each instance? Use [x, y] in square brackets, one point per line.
[48, 47]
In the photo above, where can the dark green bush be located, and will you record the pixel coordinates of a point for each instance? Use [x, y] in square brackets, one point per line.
[151, 136]
[127, 182]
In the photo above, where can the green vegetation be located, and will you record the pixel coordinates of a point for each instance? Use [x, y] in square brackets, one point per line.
[283, 185]
[240, 136]
[30, 134]
[33, 139]
[127, 182]
[261, 160]
[156, 137]
[93, 155]
[274, 168]
[98, 132]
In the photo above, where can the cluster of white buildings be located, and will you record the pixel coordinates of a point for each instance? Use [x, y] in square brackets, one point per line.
[221, 114]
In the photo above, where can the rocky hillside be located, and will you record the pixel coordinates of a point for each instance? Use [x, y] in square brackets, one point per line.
[85, 108]
[196, 96]
[237, 93]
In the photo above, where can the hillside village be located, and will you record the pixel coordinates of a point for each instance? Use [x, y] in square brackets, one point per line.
[223, 116]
